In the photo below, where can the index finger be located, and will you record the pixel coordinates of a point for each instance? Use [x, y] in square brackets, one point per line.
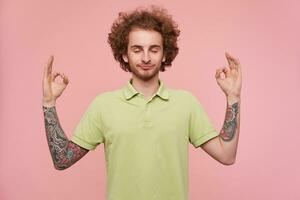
[48, 67]
[233, 62]
[230, 60]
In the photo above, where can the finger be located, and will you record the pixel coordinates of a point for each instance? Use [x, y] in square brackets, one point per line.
[55, 74]
[65, 79]
[237, 65]
[48, 70]
[237, 61]
[226, 71]
[218, 73]
[230, 56]
[62, 75]
[50, 64]
[233, 60]
[230, 60]
[239, 68]
[48, 67]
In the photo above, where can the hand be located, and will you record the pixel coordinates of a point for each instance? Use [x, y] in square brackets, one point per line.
[231, 84]
[51, 89]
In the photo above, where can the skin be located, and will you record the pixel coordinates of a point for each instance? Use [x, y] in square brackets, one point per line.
[64, 153]
[145, 47]
[224, 147]
[230, 123]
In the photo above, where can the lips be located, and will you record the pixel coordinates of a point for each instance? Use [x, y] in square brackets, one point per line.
[145, 66]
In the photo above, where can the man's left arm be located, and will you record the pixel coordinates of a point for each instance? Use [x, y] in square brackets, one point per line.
[224, 147]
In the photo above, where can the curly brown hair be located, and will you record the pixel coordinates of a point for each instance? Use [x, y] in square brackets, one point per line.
[152, 18]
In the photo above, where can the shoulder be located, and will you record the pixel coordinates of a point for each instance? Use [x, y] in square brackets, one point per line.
[183, 98]
[101, 101]
[107, 97]
[182, 94]
[186, 98]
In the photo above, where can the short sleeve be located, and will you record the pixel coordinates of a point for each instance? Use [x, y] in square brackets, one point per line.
[201, 128]
[88, 132]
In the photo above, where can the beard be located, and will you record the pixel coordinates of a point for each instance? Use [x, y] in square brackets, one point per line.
[145, 75]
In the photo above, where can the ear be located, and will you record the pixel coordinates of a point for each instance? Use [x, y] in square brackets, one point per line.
[125, 58]
[164, 58]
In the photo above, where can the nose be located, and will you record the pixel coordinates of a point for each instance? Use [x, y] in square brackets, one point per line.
[146, 57]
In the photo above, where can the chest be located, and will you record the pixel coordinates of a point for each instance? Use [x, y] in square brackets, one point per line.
[150, 122]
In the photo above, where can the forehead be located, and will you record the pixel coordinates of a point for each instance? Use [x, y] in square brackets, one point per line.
[144, 38]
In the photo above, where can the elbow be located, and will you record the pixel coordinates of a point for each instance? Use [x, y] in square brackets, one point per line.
[60, 167]
[228, 161]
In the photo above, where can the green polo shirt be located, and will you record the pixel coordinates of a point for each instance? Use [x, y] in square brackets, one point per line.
[145, 141]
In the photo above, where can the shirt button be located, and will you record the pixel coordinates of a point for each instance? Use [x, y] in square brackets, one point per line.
[148, 124]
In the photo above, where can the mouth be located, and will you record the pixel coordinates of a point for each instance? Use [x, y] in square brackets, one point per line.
[146, 67]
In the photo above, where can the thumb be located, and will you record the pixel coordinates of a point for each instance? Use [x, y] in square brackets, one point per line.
[218, 73]
[226, 71]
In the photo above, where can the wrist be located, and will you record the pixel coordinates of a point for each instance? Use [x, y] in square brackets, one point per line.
[231, 99]
[48, 103]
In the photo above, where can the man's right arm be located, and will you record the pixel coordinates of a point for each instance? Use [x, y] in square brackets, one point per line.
[63, 151]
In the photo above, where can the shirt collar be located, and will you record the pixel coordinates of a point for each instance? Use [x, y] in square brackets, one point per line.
[130, 91]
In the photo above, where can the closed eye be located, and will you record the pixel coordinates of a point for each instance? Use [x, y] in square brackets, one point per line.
[155, 50]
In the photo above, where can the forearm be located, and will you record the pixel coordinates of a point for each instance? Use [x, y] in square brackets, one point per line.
[229, 133]
[64, 153]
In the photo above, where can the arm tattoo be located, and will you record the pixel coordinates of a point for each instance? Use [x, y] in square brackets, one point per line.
[64, 152]
[230, 123]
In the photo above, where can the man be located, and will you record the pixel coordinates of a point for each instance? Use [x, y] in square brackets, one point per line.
[145, 126]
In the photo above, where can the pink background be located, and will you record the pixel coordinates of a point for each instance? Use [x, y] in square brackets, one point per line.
[263, 34]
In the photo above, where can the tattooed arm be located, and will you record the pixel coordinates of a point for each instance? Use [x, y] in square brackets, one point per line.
[64, 152]
[229, 133]
[224, 147]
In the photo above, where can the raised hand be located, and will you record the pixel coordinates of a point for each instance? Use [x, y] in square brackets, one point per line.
[231, 83]
[51, 88]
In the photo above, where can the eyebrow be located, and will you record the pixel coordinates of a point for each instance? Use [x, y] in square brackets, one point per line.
[140, 47]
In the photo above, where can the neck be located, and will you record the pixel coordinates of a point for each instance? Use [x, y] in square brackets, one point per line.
[147, 88]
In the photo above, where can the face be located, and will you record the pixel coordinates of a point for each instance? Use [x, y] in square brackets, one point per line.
[144, 53]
